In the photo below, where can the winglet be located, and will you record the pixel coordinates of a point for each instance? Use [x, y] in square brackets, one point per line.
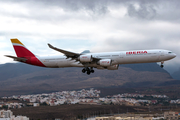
[50, 45]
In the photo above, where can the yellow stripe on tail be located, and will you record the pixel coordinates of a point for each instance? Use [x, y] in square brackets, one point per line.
[15, 40]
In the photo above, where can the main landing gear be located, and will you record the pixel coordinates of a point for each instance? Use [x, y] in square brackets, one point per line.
[162, 64]
[88, 70]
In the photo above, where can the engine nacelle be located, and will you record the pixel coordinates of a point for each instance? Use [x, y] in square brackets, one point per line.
[105, 62]
[85, 58]
[113, 67]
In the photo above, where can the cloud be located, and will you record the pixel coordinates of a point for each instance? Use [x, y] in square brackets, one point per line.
[54, 10]
[141, 11]
[158, 10]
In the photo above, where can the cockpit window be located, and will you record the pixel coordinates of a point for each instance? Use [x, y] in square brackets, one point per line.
[169, 52]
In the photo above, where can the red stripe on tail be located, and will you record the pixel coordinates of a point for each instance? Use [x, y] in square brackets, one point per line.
[21, 51]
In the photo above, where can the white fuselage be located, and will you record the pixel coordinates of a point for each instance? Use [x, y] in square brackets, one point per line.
[121, 57]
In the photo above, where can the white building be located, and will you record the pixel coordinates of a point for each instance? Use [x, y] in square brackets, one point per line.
[8, 115]
[19, 118]
[5, 114]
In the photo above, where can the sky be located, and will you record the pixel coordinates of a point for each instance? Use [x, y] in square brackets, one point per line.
[95, 25]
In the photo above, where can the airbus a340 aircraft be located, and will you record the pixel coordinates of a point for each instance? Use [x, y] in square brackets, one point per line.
[87, 60]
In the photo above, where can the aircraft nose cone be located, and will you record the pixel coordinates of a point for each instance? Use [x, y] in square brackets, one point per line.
[174, 55]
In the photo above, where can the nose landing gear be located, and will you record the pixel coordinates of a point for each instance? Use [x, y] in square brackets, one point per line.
[88, 70]
[161, 66]
[162, 62]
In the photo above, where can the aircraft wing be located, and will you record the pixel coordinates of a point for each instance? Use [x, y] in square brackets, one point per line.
[67, 53]
[17, 58]
[70, 54]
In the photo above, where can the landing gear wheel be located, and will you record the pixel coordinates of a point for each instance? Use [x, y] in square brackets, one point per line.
[88, 72]
[83, 70]
[162, 62]
[92, 71]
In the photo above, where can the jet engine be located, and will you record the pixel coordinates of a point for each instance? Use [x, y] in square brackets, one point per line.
[113, 67]
[105, 62]
[85, 58]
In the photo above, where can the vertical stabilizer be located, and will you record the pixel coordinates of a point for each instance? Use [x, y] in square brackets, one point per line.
[20, 49]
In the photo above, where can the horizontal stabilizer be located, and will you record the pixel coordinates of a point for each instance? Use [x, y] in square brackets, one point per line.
[17, 58]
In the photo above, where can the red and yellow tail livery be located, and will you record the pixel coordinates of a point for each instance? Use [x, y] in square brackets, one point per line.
[23, 54]
[20, 49]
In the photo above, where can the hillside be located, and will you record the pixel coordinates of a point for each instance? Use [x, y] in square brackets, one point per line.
[18, 78]
[176, 75]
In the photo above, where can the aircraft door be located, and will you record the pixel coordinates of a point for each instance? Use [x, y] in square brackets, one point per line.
[161, 53]
[122, 57]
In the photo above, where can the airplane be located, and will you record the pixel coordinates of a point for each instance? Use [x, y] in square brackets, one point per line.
[87, 60]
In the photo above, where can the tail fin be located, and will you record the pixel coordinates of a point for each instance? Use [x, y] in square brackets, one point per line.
[20, 49]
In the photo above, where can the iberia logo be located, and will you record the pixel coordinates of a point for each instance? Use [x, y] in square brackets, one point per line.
[136, 52]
